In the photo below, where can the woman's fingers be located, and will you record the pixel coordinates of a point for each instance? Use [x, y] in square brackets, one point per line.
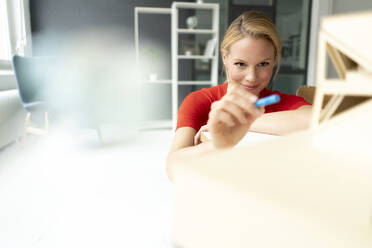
[246, 100]
[235, 110]
[231, 117]
[197, 138]
[218, 116]
[241, 109]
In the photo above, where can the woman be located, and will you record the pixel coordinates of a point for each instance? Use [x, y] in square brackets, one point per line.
[250, 48]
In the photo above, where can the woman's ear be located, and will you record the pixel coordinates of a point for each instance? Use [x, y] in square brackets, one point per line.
[224, 59]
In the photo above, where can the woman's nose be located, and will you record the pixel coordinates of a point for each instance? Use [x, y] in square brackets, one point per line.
[250, 76]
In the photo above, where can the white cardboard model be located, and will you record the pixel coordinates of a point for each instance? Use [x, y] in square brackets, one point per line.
[348, 42]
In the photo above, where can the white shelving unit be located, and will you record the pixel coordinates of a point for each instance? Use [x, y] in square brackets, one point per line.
[176, 31]
[137, 12]
[176, 57]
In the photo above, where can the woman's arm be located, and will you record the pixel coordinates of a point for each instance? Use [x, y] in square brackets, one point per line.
[283, 122]
[183, 148]
[229, 120]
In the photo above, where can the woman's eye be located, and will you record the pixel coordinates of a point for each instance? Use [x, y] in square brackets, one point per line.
[239, 64]
[263, 64]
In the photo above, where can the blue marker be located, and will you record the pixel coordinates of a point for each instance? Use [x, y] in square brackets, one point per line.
[267, 100]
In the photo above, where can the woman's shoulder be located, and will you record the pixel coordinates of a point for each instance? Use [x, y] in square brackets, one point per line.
[204, 97]
[213, 93]
[195, 108]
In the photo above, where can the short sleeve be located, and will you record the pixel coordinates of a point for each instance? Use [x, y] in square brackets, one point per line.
[287, 102]
[292, 102]
[194, 111]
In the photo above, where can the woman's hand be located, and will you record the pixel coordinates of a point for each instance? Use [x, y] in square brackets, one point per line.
[197, 138]
[231, 117]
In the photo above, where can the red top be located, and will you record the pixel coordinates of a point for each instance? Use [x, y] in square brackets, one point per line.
[195, 107]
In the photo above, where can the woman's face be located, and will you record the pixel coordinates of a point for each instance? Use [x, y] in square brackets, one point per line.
[250, 63]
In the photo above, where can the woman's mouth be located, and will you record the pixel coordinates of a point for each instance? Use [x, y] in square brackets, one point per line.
[249, 87]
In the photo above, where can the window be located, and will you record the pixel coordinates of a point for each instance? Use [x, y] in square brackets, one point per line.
[15, 30]
[4, 33]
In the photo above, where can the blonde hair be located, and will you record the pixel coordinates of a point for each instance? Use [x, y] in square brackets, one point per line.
[254, 24]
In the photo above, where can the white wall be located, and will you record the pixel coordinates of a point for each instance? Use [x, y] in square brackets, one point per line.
[12, 116]
[321, 8]
[347, 6]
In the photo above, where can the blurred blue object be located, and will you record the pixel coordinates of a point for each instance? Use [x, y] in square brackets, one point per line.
[30, 82]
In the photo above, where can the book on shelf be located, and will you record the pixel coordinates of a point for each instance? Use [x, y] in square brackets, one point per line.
[210, 47]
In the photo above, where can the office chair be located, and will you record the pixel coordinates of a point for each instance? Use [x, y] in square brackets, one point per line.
[29, 73]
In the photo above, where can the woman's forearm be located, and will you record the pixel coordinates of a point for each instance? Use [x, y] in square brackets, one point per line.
[284, 122]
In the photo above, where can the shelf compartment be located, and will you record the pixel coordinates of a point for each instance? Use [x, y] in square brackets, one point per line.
[186, 5]
[195, 83]
[156, 124]
[194, 57]
[195, 31]
[150, 10]
[159, 81]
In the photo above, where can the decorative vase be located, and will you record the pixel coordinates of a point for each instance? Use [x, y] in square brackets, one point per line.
[191, 22]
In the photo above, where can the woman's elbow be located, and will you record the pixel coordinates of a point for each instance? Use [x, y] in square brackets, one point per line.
[305, 117]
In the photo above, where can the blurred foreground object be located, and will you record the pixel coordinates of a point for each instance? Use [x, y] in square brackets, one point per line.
[90, 82]
[97, 84]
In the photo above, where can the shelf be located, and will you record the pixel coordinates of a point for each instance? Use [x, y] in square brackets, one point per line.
[150, 10]
[194, 57]
[195, 31]
[186, 5]
[155, 124]
[159, 81]
[195, 82]
[179, 82]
